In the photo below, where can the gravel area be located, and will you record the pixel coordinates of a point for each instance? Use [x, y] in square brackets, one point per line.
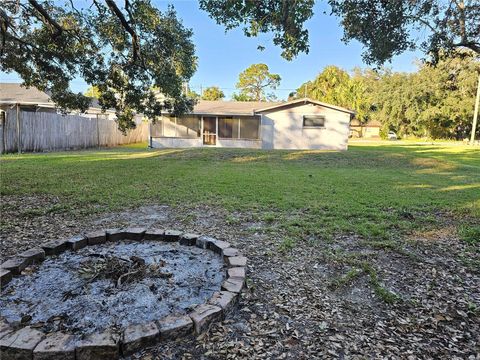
[344, 299]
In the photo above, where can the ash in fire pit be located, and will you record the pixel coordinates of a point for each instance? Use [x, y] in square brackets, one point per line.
[123, 292]
[113, 285]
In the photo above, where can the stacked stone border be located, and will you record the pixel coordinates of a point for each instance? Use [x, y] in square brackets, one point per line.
[30, 343]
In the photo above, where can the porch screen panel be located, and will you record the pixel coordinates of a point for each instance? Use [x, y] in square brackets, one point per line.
[228, 127]
[188, 126]
[168, 126]
[156, 130]
[249, 128]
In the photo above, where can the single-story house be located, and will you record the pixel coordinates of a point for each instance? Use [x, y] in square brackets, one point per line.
[297, 124]
[13, 95]
[370, 130]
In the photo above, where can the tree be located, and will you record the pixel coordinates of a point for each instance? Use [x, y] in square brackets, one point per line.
[241, 97]
[335, 86]
[92, 92]
[255, 80]
[436, 101]
[193, 95]
[386, 28]
[125, 52]
[284, 19]
[213, 93]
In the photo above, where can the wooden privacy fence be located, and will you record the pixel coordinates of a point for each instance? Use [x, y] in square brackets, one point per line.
[43, 131]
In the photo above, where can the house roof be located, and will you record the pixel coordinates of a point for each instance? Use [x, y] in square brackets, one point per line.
[371, 123]
[12, 93]
[204, 107]
[302, 101]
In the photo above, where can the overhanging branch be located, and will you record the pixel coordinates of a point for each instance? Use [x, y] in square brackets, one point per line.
[135, 39]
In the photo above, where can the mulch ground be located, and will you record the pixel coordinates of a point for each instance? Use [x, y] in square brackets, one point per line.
[314, 300]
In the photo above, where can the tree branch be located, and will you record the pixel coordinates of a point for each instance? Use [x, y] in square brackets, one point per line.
[135, 39]
[46, 16]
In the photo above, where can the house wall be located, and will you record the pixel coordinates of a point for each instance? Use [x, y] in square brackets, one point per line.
[371, 132]
[172, 142]
[240, 143]
[284, 129]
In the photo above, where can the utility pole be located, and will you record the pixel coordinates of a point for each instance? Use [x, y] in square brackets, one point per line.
[475, 112]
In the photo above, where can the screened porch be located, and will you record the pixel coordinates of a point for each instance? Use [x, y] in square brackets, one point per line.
[206, 130]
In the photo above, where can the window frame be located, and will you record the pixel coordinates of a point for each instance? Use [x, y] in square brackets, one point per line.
[323, 117]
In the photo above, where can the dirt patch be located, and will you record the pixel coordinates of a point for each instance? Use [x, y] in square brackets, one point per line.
[290, 309]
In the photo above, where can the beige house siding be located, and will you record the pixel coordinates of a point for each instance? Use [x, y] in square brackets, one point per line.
[283, 129]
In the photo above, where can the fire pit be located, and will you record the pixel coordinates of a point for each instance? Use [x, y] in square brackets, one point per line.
[114, 293]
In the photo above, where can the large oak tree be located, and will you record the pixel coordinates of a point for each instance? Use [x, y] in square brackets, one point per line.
[129, 52]
[385, 27]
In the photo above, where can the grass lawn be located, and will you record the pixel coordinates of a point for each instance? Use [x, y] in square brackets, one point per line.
[380, 233]
[377, 192]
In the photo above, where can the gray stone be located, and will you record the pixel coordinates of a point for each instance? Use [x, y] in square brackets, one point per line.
[189, 239]
[19, 345]
[236, 272]
[5, 328]
[172, 235]
[203, 316]
[173, 327]
[136, 337]
[55, 247]
[57, 346]
[230, 252]
[233, 285]
[77, 242]
[99, 346]
[96, 237]
[34, 255]
[15, 265]
[224, 299]
[114, 234]
[134, 233]
[5, 277]
[236, 261]
[204, 241]
[218, 246]
[155, 234]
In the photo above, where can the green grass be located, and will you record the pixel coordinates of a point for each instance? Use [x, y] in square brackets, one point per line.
[379, 192]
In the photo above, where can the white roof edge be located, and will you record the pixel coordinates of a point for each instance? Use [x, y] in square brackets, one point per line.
[305, 100]
[2, 102]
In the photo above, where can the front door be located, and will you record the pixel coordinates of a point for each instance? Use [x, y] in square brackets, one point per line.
[209, 130]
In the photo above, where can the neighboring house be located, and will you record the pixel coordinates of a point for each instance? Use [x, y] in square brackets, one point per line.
[297, 124]
[31, 99]
[369, 130]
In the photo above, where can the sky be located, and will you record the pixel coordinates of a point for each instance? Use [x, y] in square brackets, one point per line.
[223, 55]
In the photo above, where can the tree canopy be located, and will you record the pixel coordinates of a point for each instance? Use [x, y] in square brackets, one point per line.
[255, 81]
[127, 53]
[385, 28]
[335, 86]
[212, 93]
[435, 101]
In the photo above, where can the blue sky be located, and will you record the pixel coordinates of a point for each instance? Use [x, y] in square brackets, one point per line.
[222, 56]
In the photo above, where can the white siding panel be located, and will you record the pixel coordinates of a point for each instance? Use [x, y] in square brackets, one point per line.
[289, 133]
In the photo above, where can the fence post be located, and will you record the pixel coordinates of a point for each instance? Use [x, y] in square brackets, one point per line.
[98, 132]
[19, 139]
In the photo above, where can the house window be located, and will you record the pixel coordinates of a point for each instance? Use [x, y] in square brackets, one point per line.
[317, 121]
[228, 127]
[249, 128]
[238, 128]
[187, 126]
